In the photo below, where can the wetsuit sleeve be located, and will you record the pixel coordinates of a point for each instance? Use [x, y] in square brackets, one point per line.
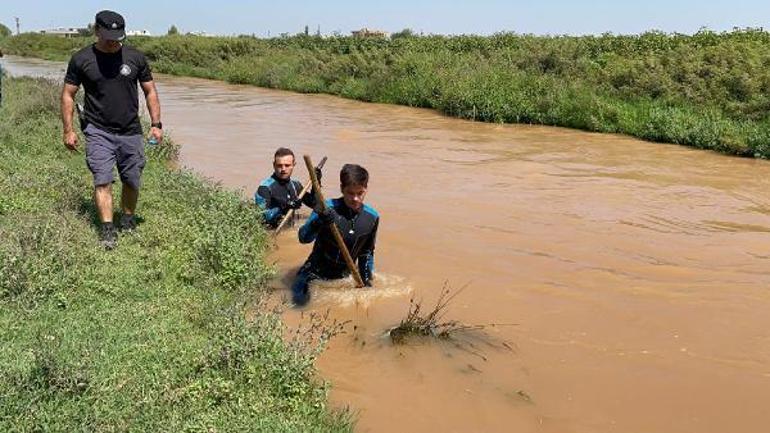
[262, 198]
[309, 231]
[366, 257]
[309, 198]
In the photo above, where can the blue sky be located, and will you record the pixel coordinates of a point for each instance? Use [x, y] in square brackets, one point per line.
[428, 16]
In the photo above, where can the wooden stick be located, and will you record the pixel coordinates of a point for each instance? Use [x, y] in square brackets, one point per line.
[335, 231]
[304, 191]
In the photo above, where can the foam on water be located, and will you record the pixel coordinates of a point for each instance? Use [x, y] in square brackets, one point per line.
[344, 293]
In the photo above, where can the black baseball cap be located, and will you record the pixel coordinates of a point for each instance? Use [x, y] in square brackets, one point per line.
[113, 25]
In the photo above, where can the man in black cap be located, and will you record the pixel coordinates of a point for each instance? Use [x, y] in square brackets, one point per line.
[109, 71]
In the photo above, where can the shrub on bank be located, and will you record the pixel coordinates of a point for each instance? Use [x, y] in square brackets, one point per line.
[152, 336]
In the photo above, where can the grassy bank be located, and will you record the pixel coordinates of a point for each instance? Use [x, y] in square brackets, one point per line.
[707, 90]
[151, 336]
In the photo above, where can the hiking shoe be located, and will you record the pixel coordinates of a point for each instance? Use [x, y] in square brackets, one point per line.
[127, 223]
[108, 237]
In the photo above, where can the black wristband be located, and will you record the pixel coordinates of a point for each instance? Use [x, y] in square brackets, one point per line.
[158, 125]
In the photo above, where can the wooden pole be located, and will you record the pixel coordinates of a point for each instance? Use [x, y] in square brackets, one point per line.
[335, 231]
[304, 191]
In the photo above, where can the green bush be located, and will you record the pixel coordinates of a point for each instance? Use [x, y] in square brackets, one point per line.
[4, 31]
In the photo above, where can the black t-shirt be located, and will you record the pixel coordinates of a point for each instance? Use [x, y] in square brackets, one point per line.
[110, 82]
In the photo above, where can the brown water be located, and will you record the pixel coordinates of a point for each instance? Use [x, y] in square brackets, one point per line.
[637, 272]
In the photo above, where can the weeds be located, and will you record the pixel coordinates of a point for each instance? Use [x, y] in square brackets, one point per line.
[418, 323]
[431, 324]
[151, 336]
[49, 374]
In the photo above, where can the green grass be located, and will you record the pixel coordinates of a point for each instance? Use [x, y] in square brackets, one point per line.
[708, 90]
[152, 336]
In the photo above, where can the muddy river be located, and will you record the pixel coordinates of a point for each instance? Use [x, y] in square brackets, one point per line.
[637, 274]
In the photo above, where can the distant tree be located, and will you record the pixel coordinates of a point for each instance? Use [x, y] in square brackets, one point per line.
[173, 30]
[4, 31]
[405, 33]
[307, 30]
[88, 31]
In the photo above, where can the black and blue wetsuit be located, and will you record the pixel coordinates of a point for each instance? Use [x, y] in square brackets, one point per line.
[274, 196]
[358, 230]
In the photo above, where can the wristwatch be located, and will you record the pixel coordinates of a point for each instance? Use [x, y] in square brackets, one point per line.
[158, 125]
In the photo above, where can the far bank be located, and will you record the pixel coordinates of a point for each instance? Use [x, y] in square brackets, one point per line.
[708, 90]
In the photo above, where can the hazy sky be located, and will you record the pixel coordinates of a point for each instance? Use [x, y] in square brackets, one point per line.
[428, 16]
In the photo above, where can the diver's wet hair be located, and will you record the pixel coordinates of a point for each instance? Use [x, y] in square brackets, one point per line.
[283, 151]
[354, 175]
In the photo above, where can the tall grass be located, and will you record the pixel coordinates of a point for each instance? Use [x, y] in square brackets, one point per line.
[708, 90]
[152, 336]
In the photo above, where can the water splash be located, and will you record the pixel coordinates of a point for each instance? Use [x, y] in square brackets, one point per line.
[344, 293]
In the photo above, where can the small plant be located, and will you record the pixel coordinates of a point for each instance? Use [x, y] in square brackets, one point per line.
[417, 323]
[432, 324]
[50, 374]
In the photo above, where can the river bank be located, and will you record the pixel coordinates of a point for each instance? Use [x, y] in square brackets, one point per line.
[708, 90]
[153, 335]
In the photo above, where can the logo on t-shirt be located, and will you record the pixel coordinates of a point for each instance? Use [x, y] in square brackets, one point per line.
[125, 70]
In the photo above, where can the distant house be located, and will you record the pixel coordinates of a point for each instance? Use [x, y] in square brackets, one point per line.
[369, 33]
[64, 32]
[138, 33]
[200, 33]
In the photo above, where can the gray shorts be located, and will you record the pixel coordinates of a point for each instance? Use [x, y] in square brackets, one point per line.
[105, 149]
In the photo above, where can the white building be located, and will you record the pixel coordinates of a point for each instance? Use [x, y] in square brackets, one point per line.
[369, 33]
[201, 33]
[138, 33]
[65, 32]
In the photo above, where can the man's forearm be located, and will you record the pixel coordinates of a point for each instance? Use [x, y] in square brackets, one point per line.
[67, 106]
[153, 106]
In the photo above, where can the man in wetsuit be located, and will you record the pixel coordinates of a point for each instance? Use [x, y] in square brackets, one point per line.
[278, 194]
[357, 223]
